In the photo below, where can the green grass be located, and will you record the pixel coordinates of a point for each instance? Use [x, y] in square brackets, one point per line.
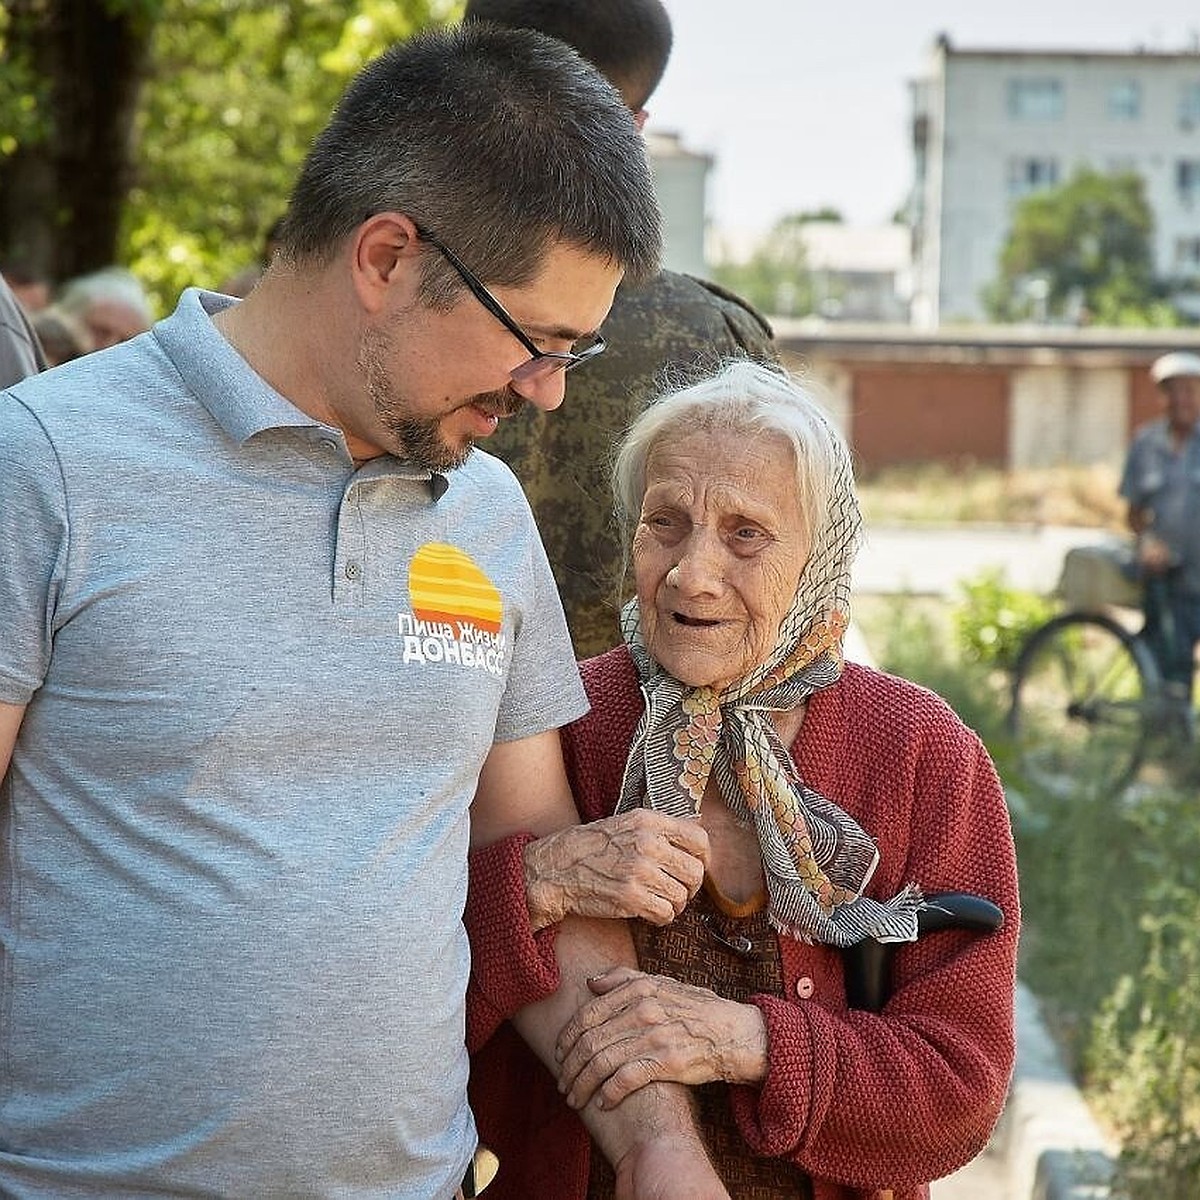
[935, 494]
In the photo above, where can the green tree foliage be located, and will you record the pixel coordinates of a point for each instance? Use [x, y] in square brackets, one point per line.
[238, 90]
[71, 72]
[1082, 250]
[776, 278]
[230, 95]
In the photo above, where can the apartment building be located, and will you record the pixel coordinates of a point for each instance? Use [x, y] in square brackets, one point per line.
[680, 183]
[991, 126]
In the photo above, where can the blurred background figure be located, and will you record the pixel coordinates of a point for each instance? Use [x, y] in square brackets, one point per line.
[243, 282]
[63, 338]
[111, 305]
[1161, 483]
[20, 351]
[30, 287]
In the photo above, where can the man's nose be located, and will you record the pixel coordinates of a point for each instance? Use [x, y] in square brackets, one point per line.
[545, 392]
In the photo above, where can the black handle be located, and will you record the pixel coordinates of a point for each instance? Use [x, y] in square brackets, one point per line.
[868, 963]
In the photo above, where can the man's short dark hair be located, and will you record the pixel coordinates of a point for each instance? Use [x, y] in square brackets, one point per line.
[497, 141]
[627, 41]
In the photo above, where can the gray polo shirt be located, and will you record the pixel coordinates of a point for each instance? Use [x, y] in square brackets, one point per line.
[260, 688]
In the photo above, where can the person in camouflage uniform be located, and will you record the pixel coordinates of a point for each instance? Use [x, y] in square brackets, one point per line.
[658, 334]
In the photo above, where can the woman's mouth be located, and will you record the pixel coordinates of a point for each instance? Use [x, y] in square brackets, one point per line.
[695, 622]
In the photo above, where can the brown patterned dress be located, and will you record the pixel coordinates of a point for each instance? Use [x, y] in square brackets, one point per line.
[734, 952]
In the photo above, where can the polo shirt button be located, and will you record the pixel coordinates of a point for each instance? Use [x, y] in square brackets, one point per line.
[353, 570]
[804, 987]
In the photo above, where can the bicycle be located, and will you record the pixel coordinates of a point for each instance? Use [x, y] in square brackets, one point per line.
[1087, 693]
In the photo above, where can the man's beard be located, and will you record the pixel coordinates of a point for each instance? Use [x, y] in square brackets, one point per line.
[419, 440]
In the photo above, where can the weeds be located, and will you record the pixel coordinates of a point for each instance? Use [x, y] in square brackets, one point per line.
[1110, 888]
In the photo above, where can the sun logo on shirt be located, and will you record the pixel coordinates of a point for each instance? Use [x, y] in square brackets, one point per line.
[445, 585]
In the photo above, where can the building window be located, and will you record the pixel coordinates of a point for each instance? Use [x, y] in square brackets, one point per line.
[1187, 255]
[1189, 104]
[1027, 175]
[1035, 99]
[1187, 180]
[1125, 100]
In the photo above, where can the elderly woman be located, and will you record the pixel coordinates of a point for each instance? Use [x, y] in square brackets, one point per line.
[755, 804]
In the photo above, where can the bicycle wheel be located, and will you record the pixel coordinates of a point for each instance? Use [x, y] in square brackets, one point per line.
[1082, 698]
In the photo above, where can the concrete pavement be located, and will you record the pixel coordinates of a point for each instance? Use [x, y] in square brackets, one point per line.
[934, 560]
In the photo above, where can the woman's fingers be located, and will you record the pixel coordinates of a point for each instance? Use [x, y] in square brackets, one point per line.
[642, 1028]
[639, 864]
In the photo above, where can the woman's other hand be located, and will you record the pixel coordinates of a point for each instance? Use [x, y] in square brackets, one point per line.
[642, 1028]
[640, 864]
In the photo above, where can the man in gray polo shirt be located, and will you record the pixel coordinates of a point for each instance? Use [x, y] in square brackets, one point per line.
[270, 623]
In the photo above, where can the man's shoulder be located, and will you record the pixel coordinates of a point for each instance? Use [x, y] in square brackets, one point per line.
[490, 483]
[96, 375]
[1150, 435]
[484, 469]
[729, 301]
[673, 306]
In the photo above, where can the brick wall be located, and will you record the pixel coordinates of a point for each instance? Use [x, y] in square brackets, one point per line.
[1000, 396]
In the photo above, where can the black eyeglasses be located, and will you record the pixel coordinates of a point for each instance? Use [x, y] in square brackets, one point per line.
[542, 363]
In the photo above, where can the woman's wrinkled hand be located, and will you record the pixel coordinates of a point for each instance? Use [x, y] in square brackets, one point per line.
[643, 1028]
[639, 864]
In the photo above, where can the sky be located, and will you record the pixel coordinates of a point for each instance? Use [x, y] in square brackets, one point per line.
[806, 105]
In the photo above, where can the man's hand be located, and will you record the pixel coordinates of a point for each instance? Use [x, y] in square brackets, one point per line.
[648, 1028]
[668, 1168]
[639, 864]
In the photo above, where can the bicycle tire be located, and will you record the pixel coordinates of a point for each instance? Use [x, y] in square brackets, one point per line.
[1083, 696]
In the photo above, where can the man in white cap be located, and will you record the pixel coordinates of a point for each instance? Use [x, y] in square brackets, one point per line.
[1161, 483]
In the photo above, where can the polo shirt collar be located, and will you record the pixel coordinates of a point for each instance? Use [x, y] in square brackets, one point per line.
[238, 398]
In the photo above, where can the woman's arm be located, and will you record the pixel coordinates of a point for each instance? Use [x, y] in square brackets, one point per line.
[862, 1099]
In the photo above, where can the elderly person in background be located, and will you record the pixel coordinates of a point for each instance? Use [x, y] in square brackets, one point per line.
[754, 803]
[110, 304]
[63, 338]
[1161, 484]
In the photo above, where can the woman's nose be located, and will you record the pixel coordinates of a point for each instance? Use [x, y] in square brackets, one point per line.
[701, 566]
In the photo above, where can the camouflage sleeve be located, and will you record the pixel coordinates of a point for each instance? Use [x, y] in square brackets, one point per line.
[747, 326]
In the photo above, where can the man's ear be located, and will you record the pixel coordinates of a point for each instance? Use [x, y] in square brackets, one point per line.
[384, 261]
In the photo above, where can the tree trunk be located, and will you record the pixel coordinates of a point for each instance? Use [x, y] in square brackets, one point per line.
[61, 199]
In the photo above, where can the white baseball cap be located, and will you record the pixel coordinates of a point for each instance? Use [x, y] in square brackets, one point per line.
[1171, 366]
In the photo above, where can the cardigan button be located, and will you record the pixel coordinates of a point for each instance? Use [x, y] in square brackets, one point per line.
[804, 987]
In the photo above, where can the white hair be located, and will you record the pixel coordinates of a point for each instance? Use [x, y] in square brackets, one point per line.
[743, 398]
[111, 283]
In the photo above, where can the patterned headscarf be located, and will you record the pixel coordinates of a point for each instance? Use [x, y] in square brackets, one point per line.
[816, 858]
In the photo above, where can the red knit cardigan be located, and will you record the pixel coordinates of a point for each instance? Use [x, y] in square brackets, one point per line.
[858, 1101]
